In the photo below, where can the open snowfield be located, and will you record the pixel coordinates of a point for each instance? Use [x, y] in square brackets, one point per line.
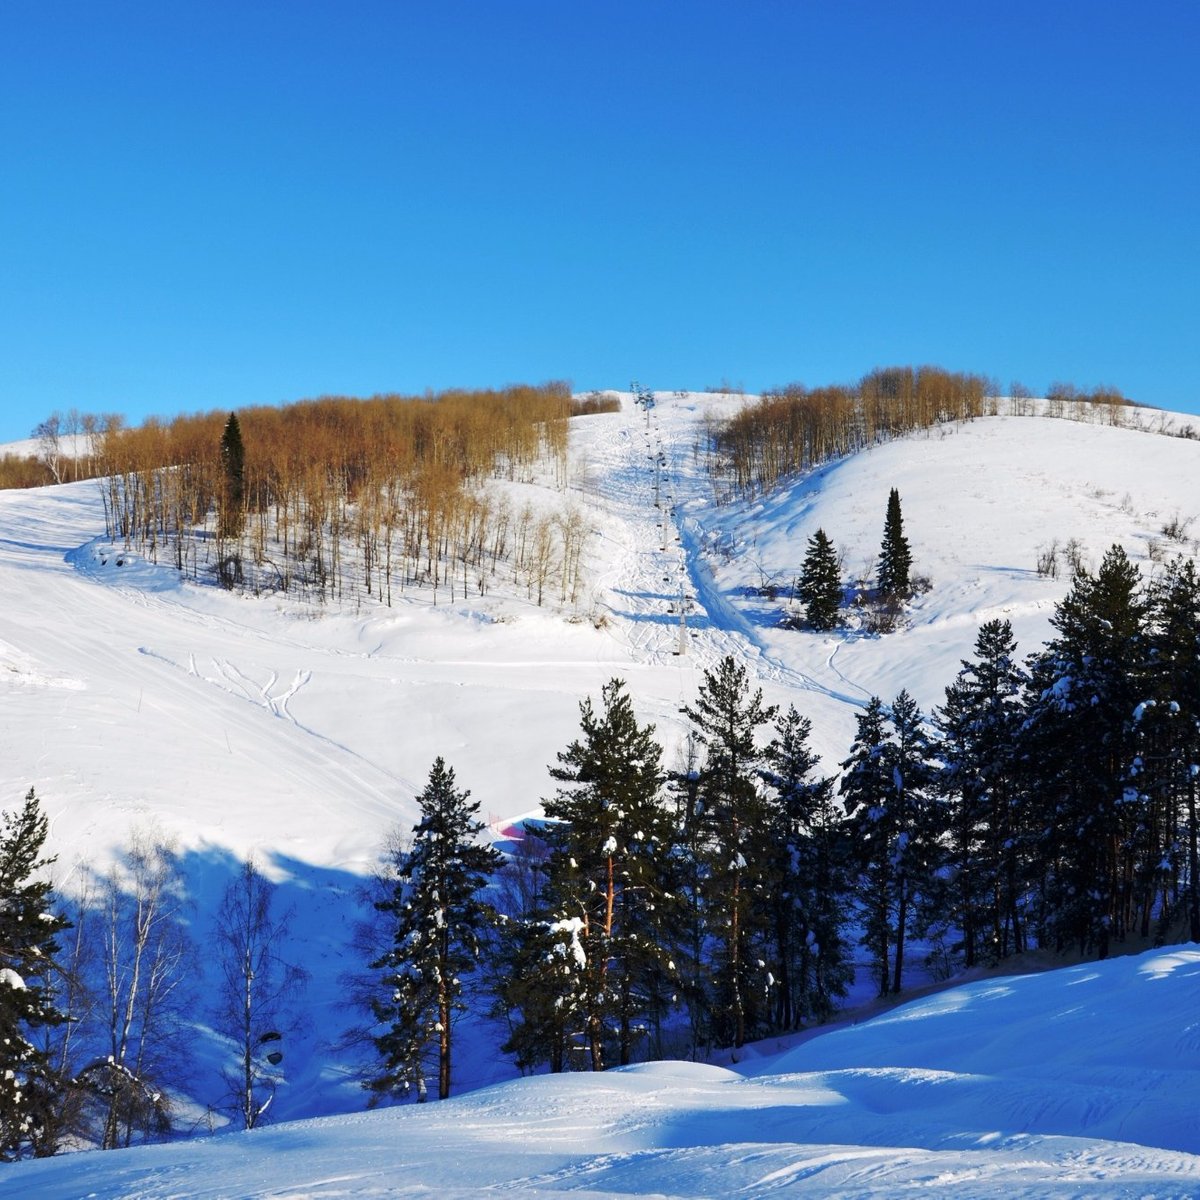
[1080, 1082]
[300, 735]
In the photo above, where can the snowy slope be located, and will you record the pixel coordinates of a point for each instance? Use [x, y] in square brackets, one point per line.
[1077, 1083]
[300, 735]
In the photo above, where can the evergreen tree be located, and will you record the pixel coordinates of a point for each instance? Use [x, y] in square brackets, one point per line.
[895, 557]
[820, 583]
[29, 1091]
[864, 789]
[732, 818]
[688, 878]
[542, 962]
[807, 879]
[1085, 690]
[231, 513]
[980, 728]
[914, 814]
[887, 789]
[606, 870]
[1173, 734]
[440, 926]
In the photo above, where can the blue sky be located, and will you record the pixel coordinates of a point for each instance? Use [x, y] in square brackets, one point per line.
[222, 204]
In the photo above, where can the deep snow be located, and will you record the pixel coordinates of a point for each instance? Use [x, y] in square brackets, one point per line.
[1079, 1082]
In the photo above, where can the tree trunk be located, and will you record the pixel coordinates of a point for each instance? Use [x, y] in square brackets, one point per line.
[901, 918]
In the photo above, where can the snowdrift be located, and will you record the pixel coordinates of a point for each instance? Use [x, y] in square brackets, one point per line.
[1080, 1082]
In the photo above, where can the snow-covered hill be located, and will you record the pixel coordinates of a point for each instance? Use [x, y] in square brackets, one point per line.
[298, 734]
[1077, 1083]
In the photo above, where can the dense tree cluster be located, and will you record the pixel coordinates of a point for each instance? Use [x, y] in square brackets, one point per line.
[794, 428]
[336, 496]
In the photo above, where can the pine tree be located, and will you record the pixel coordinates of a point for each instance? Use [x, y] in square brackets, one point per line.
[29, 1091]
[980, 728]
[807, 879]
[440, 926]
[888, 793]
[820, 585]
[606, 871]
[864, 790]
[732, 816]
[231, 513]
[1172, 721]
[914, 814]
[895, 557]
[1084, 692]
[542, 962]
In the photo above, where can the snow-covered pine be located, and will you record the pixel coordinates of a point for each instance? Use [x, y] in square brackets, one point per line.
[609, 844]
[31, 1093]
[979, 728]
[440, 927]
[731, 841]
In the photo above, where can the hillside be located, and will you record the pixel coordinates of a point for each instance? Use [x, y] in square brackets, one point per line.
[299, 733]
[1037, 1087]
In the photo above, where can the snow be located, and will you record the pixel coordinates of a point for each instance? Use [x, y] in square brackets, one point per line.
[299, 735]
[1033, 1086]
[11, 979]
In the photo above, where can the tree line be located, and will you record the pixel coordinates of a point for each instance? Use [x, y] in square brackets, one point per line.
[338, 496]
[795, 428]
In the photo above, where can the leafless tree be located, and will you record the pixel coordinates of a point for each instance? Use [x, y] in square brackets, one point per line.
[257, 990]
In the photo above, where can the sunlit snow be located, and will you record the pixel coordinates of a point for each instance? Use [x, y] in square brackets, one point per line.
[301, 735]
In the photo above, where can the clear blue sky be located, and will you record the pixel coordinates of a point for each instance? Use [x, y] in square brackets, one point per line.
[209, 205]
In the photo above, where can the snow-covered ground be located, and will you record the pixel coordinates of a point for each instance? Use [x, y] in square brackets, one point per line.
[1081, 1082]
[300, 735]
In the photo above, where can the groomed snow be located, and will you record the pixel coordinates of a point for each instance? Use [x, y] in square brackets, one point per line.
[1080, 1082]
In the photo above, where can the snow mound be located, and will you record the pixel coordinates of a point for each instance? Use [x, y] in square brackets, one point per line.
[1077, 1083]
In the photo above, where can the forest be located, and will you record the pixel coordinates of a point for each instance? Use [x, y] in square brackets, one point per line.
[337, 497]
[795, 428]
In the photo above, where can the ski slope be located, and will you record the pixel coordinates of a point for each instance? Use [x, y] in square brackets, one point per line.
[1076, 1083]
[299, 734]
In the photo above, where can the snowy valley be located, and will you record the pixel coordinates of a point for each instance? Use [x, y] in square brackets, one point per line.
[299, 733]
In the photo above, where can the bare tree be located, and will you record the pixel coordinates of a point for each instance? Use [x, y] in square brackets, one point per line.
[257, 990]
[146, 955]
[49, 440]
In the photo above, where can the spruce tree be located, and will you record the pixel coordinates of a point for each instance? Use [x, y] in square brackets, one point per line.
[1172, 722]
[820, 586]
[30, 1093]
[538, 993]
[915, 815]
[888, 793]
[864, 790]
[733, 822]
[231, 513]
[808, 878]
[979, 747]
[1085, 690]
[606, 870]
[440, 927]
[895, 557]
